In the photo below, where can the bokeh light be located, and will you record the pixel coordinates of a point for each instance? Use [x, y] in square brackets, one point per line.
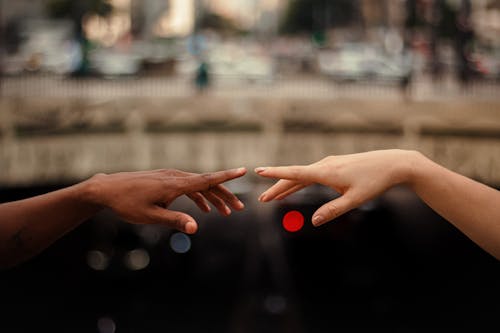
[180, 243]
[136, 259]
[106, 325]
[97, 260]
[293, 221]
[275, 304]
[150, 234]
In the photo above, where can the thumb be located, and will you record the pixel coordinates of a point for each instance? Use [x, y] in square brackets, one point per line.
[332, 209]
[177, 220]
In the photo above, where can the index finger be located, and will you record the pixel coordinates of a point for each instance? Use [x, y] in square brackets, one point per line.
[207, 181]
[293, 172]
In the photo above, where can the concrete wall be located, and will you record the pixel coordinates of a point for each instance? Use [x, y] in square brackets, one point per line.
[59, 140]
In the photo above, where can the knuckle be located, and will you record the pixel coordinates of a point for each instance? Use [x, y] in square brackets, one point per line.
[326, 161]
[332, 210]
[177, 221]
[100, 175]
[208, 180]
[169, 172]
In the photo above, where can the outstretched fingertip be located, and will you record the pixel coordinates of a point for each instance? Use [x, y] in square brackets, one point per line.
[191, 228]
[239, 205]
[238, 172]
[318, 220]
[260, 170]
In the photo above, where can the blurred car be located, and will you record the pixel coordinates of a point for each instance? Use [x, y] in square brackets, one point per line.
[248, 68]
[487, 65]
[110, 62]
[47, 46]
[241, 60]
[361, 62]
[232, 60]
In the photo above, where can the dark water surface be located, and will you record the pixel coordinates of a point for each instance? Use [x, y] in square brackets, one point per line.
[393, 265]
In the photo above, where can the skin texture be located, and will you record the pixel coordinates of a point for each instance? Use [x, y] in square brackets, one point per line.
[472, 207]
[29, 226]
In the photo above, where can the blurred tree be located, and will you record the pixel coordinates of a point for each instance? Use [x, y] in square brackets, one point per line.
[318, 15]
[76, 10]
[446, 20]
[413, 19]
[210, 20]
[464, 43]
[494, 4]
[443, 26]
[451, 21]
[443, 19]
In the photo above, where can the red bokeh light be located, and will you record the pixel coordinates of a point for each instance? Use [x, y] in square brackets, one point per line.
[293, 221]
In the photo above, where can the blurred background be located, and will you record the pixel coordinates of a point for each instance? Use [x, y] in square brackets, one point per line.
[90, 86]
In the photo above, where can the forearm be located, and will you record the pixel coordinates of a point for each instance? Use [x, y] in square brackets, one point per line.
[29, 226]
[472, 207]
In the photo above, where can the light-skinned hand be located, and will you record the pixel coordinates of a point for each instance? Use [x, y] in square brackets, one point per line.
[357, 178]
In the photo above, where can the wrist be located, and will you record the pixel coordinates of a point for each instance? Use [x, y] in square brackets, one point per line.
[413, 165]
[92, 190]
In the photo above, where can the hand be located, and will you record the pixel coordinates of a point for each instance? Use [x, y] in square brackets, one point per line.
[358, 178]
[143, 197]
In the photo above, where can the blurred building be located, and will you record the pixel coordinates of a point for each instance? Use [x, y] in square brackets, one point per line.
[178, 20]
[164, 18]
[486, 20]
[144, 19]
[20, 9]
[253, 15]
[11, 14]
[167, 18]
[388, 13]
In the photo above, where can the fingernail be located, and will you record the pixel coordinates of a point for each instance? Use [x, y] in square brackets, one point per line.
[259, 170]
[262, 198]
[227, 210]
[241, 169]
[241, 205]
[317, 220]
